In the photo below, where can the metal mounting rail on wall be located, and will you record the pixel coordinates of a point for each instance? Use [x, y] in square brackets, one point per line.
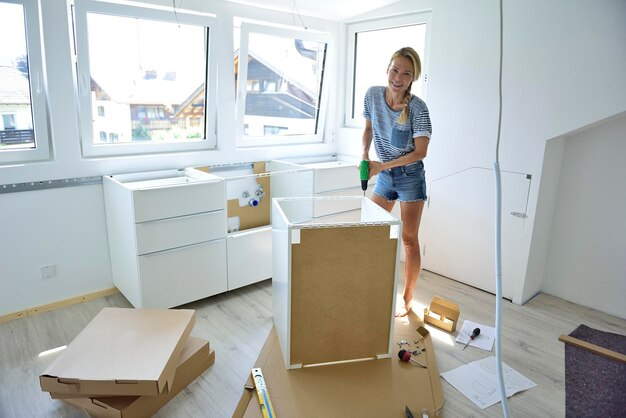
[49, 184]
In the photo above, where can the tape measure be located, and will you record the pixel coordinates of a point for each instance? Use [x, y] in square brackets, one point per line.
[267, 410]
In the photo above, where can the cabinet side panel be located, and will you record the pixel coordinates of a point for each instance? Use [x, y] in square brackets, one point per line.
[280, 286]
[122, 240]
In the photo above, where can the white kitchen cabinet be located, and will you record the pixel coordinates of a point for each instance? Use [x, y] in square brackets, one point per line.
[250, 188]
[326, 276]
[167, 236]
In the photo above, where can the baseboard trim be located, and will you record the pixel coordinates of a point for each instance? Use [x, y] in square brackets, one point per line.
[59, 304]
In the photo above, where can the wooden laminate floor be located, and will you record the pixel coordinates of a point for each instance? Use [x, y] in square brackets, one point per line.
[237, 323]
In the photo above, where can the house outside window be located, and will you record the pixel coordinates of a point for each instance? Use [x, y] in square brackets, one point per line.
[23, 126]
[139, 88]
[281, 90]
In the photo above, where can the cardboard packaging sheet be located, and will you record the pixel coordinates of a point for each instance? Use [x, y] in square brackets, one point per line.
[442, 313]
[122, 351]
[194, 360]
[372, 388]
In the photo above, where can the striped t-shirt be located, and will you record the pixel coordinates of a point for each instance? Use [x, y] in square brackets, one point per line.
[391, 138]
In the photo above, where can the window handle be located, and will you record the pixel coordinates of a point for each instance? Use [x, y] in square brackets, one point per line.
[37, 80]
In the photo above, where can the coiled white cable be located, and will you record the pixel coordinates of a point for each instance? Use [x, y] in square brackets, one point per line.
[498, 239]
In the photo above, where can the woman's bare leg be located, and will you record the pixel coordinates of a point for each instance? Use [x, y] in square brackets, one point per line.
[411, 215]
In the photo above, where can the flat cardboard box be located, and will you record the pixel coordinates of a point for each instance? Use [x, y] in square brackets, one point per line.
[372, 388]
[194, 360]
[442, 313]
[122, 351]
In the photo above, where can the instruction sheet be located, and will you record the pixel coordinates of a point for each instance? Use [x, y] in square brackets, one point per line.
[478, 381]
[484, 340]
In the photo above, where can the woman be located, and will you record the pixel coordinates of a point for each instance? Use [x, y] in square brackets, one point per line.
[399, 125]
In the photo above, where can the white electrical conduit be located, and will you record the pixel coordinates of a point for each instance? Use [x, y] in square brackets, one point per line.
[498, 241]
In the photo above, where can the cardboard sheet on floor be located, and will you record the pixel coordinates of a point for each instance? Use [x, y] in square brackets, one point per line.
[194, 360]
[372, 388]
[122, 351]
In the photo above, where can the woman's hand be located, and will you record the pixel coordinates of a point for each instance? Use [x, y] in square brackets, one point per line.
[375, 167]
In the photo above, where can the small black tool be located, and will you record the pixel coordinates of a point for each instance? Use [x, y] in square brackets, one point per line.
[405, 356]
[409, 414]
[474, 335]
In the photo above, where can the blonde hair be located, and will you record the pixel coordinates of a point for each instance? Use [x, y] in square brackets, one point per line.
[411, 54]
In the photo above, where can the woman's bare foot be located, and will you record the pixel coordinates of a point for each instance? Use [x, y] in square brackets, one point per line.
[404, 310]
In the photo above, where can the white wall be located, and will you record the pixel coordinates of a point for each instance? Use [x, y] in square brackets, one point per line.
[585, 260]
[63, 227]
[563, 69]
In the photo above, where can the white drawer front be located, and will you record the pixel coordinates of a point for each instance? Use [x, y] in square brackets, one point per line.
[164, 234]
[179, 200]
[327, 179]
[324, 207]
[249, 257]
[175, 277]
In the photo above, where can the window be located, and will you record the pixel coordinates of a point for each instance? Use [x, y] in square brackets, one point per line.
[371, 46]
[147, 74]
[8, 121]
[23, 126]
[280, 84]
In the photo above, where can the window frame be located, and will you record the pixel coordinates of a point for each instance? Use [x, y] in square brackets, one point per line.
[244, 141]
[83, 85]
[423, 17]
[37, 88]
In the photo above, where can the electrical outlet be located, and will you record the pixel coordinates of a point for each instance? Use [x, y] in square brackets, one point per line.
[48, 271]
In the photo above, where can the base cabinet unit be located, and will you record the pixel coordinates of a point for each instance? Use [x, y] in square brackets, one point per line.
[250, 188]
[167, 236]
[334, 282]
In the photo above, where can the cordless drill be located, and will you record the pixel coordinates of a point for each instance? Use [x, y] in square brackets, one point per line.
[364, 169]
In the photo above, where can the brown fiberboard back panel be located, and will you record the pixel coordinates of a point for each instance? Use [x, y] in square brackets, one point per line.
[342, 288]
[249, 216]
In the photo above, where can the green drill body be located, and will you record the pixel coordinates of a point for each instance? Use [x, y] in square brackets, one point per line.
[364, 169]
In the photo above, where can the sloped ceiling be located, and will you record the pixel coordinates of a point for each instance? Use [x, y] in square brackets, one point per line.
[337, 10]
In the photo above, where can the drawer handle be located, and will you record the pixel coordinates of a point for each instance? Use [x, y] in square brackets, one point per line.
[182, 247]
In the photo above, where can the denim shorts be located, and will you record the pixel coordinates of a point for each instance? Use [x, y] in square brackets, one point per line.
[406, 183]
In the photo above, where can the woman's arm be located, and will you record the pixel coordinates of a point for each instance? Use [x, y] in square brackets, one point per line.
[366, 140]
[419, 153]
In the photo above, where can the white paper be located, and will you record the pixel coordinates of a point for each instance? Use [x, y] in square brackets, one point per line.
[484, 340]
[478, 381]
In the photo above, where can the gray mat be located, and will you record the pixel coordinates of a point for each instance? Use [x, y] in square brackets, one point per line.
[595, 385]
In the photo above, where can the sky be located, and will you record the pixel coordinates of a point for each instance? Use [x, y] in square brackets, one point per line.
[121, 49]
[11, 27]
